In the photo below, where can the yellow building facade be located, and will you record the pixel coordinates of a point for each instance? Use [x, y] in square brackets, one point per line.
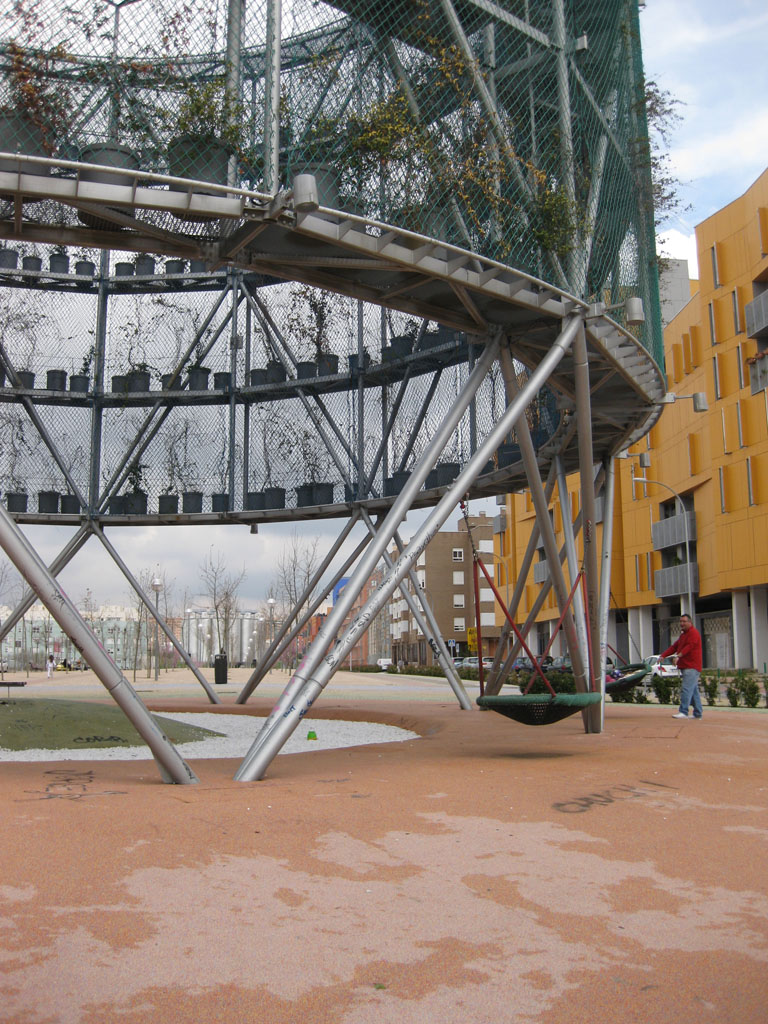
[709, 498]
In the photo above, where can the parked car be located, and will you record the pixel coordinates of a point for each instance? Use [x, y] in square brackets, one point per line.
[664, 668]
[560, 664]
[470, 662]
[458, 662]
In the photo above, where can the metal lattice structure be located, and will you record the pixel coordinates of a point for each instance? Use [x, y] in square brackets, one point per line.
[332, 261]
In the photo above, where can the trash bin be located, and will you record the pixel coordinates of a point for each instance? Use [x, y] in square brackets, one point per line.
[220, 669]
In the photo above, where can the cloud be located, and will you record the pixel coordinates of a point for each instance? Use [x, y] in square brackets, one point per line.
[678, 245]
[676, 28]
[737, 146]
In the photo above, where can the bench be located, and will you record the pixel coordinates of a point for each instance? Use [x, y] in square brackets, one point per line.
[12, 682]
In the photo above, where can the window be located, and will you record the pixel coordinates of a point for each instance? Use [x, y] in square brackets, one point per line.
[715, 271]
[736, 312]
[458, 600]
[649, 569]
[721, 475]
[740, 361]
[458, 578]
[750, 488]
[637, 572]
[716, 375]
[712, 332]
[458, 625]
[458, 555]
[738, 425]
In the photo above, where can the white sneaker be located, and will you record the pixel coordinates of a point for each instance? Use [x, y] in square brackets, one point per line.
[680, 715]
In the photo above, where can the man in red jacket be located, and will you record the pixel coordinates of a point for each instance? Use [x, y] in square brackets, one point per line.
[687, 649]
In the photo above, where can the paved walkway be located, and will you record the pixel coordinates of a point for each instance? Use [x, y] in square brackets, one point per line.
[485, 873]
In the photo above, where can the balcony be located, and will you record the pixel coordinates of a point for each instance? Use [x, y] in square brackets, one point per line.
[540, 571]
[667, 533]
[673, 582]
[756, 316]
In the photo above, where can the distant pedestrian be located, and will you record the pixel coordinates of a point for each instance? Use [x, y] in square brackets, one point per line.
[50, 665]
[687, 651]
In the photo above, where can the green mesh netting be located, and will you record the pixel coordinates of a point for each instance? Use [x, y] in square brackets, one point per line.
[514, 129]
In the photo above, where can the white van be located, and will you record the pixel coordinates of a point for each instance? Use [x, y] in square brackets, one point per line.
[384, 663]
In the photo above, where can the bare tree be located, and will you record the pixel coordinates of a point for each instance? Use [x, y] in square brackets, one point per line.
[221, 589]
[296, 565]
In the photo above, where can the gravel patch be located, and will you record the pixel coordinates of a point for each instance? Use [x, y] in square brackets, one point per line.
[239, 732]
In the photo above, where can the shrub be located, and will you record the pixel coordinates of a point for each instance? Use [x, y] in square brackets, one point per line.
[663, 690]
[732, 692]
[711, 687]
[751, 692]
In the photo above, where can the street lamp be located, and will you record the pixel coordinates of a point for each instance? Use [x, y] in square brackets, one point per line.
[157, 586]
[644, 480]
[271, 603]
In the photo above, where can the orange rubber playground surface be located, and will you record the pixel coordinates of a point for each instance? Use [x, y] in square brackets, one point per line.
[485, 873]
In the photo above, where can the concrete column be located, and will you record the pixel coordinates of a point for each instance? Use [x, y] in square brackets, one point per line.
[758, 601]
[742, 629]
[640, 633]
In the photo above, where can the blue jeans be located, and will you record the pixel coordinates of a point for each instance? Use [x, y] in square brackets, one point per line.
[690, 692]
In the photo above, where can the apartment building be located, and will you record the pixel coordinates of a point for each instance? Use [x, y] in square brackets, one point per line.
[700, 521]
[444, 573]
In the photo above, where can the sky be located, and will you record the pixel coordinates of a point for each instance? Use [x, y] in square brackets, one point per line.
[708, 55]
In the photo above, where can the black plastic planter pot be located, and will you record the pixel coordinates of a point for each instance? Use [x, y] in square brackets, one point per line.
[79, 382]
[56, 380]
[145, 266]
[304, 495]
[323, 494]
[135, 503]
[48, 502]
[139, 380]
[258, 377]
[16, 501]
[275, 373]
[192, 502]
[26, 379]
[70, 505]
[254, 501]
[327, 365]
[306, 369]
[274, 497]
[58, 263]
[168, 504]
[222, 381]
[219, 503]
[198, 379]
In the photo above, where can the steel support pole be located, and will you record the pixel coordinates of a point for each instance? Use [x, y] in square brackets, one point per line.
[63, 558]
[271, 655]
[499, 668]
[540, 504]
[592, 714]
[609, 493]
[272, 97]
[426, 621]
[98, 530]
[572, 558]
[172, 766]
[316, 671]
[349, 594]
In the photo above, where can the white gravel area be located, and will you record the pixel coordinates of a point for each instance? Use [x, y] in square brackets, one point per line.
[239, 732]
